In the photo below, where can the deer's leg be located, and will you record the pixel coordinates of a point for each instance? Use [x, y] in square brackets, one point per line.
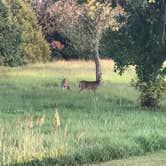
[94, 91]
[80, 90]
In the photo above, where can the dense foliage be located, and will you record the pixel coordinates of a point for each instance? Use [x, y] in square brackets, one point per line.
[9, 38]
[64, 22]
[141, 42]
[33, 47]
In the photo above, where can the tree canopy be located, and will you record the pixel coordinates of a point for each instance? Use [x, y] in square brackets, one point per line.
[141, 42]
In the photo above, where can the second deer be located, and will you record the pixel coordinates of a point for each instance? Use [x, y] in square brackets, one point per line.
[65, 84]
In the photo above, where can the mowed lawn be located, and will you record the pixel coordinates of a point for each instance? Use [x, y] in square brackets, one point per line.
[155, 159]
[94, 128]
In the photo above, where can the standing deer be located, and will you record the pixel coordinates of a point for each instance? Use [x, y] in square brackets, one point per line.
[89, 85]
[65, 84]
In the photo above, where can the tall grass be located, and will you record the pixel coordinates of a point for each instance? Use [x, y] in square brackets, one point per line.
[91, 128]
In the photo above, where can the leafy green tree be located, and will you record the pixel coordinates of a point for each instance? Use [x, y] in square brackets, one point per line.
[33, 47]
[102, 16]
[141, 42]
[9, 38]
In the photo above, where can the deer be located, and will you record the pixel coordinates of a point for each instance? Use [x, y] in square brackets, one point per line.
[65, 84]
[89, 85]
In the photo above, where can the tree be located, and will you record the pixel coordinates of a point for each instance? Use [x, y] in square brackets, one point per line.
[103, 16]
[83, 24]
[9, 38]
[33, 47]
[141, 42]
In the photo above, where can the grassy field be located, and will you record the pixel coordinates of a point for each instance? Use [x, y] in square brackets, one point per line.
[94, 128]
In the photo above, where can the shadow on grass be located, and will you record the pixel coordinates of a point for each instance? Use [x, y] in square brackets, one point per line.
[65, 161]
[43, 162]
[121, 102]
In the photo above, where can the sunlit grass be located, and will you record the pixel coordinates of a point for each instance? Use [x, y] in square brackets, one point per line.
[76, 69]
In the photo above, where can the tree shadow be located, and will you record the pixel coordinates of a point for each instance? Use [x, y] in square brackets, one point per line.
[121, 102]
[59, 161]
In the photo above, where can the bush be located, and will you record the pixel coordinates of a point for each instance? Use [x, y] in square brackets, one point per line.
[141, 42]
[9, 38]
[33, 47]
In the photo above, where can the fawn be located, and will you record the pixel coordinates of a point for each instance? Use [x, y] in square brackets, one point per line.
[65, 84]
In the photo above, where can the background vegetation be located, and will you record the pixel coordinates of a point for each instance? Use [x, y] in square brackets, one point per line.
[25, 43]
[9, 37]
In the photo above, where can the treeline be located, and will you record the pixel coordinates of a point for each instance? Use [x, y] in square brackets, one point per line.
[40, 31]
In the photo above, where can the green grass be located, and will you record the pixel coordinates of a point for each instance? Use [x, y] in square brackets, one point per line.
[147, 160]
[109, 125]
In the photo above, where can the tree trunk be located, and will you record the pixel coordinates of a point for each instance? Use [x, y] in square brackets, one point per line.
[97, 56]
[98, 66]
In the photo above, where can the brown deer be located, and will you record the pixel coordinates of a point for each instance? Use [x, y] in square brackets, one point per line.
[65, 84]
[89, 85]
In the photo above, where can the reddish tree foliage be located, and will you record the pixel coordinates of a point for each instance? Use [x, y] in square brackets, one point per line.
[57, 45]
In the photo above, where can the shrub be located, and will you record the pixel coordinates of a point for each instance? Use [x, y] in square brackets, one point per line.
[33, 47]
